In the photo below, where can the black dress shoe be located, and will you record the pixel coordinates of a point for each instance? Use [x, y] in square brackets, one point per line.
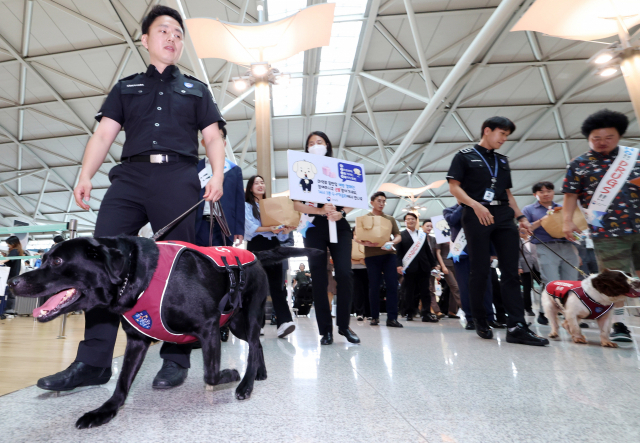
[542, 319]
[430, 318]
[224, 334]
[483, 330]
[349, 335]
[170, 376]
[327, 339]
[394, 324]
[409, 317]
[374, 322]
[76, 375]
[471, 325]
[525, 336]
[497, 325]
[274, 322]
[584, 325]
[452, 316]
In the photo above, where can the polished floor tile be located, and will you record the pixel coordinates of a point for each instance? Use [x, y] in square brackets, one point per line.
[424, 383]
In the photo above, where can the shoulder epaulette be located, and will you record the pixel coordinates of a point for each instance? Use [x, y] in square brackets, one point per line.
[466, 150]
[131, 76]
[193, 78]
[501, 155]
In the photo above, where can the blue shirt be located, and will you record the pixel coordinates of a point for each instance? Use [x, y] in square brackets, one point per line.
[535, 212]
[251, 224]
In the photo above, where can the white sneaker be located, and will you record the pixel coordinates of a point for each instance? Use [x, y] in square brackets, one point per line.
[286, 329]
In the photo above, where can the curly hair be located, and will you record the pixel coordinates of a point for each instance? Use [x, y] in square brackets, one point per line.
[605, 119]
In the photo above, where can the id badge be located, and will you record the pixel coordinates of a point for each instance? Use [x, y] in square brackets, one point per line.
[488, 195]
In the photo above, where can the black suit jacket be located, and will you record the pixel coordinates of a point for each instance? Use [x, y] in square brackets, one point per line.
[232, 202]
[424, 261]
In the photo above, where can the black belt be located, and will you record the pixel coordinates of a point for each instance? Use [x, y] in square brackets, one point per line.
[160, 158]
[493, 203]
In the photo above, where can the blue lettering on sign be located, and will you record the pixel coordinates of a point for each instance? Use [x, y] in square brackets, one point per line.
[350, 172]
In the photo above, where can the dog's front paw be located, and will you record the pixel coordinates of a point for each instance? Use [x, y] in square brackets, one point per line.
[553, 335]
[608, 344]
[243, 392]
[581, 339]
[229, 376]
[261, 374]
[95, 418]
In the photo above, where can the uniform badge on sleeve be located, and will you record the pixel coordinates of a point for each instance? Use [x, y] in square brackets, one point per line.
[188, 85]
[143, 319]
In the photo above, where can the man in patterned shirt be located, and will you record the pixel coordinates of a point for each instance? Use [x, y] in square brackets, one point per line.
[599, 179]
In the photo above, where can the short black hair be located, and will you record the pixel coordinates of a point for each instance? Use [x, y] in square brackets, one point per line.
[538, 186]
[58, 239]
[410, 214]
[427, 221]
[158, 11]
[498, 122]
[605, 119]
[378, 194]
[324, 137]
[224, 132]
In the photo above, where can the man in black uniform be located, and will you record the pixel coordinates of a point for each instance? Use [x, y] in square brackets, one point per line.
[480, 179]
[162, 111]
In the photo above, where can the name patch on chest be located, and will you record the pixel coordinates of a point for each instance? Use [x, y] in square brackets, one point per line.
[132, 86]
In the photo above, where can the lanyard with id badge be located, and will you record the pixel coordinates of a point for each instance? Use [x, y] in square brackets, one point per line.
[490, 193]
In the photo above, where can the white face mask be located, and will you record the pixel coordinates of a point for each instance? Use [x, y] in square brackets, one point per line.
[318, 150]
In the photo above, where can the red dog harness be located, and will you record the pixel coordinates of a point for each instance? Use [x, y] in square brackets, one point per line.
[559, 291]
[146, 315]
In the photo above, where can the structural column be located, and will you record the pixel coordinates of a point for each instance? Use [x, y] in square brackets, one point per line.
[263, 132]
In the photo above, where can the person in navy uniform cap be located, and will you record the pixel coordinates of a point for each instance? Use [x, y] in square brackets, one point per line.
[480, 179]
[161, 111]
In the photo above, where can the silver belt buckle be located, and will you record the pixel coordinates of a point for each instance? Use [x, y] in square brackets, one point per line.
[158, 158]
[494, 203]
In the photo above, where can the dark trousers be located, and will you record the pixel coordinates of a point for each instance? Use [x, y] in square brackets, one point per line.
[503, 235]
[463, 269]
[275, 278]
[496, 292]
[416, 286]
[140, 193]
[361, 292]
[527, 285]
[318, 238]
[376, 266]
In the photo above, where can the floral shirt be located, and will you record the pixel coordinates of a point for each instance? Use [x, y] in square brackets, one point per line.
[583, 176]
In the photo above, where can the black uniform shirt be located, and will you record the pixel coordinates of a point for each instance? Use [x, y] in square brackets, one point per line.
[161, 113]
[472, 172]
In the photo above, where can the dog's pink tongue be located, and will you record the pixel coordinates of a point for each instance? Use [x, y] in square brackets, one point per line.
[50, 304]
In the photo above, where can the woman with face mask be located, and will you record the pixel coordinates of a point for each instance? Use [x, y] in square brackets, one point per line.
[262, 238]
[318, 237]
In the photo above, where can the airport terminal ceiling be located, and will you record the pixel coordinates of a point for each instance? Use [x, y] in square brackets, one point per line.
[59, 59]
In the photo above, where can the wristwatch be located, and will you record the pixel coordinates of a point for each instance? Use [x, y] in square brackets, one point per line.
[520, 217]
[344, 214]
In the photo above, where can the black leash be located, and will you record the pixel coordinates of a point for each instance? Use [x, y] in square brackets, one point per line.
[216, 211]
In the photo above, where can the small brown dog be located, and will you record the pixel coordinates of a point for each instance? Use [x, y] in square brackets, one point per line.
[591, 298]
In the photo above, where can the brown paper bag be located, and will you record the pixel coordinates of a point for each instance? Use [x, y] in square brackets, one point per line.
[357, 250]
[276, 211]
[375, 229]
[553, 223]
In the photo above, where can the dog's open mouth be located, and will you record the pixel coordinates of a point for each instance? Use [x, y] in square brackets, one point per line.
[53, 306]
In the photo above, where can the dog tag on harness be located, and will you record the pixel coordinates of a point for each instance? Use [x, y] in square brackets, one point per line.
[488, 195]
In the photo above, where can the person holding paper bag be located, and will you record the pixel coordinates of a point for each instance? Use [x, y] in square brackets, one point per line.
[381, 259]
[603, 180]
[318, 236]
[261, 238]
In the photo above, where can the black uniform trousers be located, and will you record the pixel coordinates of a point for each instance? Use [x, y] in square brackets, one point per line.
[275, 278]
[416, 289]
[527, 285]
[318, 238]
[503, 234]
[361, 292]
[140, 193]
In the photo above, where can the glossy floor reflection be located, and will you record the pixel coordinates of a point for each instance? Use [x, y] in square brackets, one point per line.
[426, 382]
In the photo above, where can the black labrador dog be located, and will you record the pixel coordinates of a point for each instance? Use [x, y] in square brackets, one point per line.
[112, 272]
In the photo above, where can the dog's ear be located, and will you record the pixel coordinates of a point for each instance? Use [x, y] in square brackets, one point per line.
[113, 260]
[611, 283]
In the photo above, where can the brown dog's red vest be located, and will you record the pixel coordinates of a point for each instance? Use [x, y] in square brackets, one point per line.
[146, 315]
[559, 290]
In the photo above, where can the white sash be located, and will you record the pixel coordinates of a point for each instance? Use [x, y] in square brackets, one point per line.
[456, 247]
[610, 185]
[413, 250]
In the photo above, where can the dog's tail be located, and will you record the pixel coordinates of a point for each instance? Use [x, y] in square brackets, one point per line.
[273, 256]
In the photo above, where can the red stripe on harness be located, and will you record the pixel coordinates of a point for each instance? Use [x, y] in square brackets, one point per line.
[146, 314]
